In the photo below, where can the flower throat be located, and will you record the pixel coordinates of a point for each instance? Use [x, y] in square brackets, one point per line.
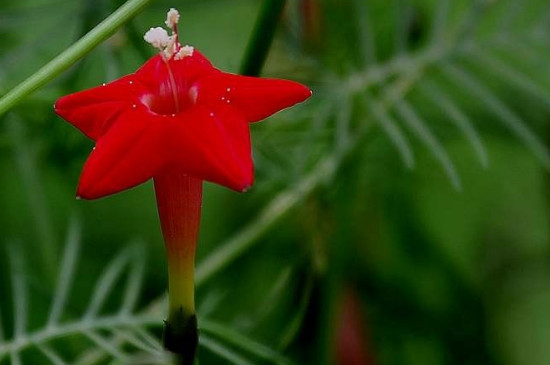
[173, 87]
[169, 48]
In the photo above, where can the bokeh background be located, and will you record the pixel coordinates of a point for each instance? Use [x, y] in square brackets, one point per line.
[400, 216]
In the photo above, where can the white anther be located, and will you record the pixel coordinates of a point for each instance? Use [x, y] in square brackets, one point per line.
[130, 82]
[172, 18]
[168, 45]
[134, 106]
[157, 37]
[103, 84]
[185, 51]
[228, 89]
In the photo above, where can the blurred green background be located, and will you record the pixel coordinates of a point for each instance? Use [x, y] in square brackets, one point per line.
[400, 216]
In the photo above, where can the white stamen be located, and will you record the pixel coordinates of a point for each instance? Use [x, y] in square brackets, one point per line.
[185, 51]
[170, 47]
[157, 37]
[172, 18]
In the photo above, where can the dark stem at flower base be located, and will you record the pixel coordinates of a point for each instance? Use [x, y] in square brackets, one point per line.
[181, 336]
[179, 200]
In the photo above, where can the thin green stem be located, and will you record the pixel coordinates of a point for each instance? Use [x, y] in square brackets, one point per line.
[72, 54]
[262, 37]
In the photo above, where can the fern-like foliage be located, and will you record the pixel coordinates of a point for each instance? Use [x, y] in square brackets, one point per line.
[124, 335]
[108, 333]
[385, 90]
[452, 65]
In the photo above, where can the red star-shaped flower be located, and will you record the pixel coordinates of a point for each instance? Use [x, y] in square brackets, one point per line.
[180, 121]
[176, 112]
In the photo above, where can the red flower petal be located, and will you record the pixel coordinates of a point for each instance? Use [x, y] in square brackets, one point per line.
[213, 144]
[256, 98]
[93, 110]
[129, 154]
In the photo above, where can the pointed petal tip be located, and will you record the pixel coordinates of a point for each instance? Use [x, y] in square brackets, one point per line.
[90, 189]
[87, 196]
[279, 95]
[241, 184]
[248, 180]
[305, 92]
[58, 106]
[65, 103]
[85, 192]
[299, 93]
[295, 91]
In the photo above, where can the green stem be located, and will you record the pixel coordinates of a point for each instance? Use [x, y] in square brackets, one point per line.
[262, 37]
[72, 54]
